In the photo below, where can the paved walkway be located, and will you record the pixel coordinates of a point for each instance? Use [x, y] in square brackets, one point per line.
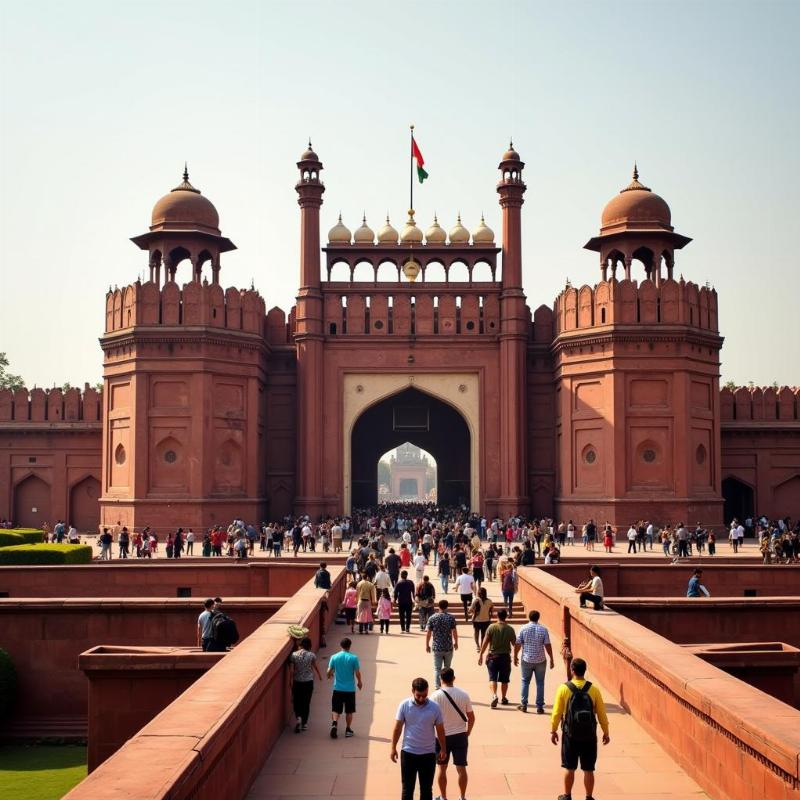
[510, 755]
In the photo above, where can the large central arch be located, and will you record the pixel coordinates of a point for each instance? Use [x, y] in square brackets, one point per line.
[460, 392]
[417, 417]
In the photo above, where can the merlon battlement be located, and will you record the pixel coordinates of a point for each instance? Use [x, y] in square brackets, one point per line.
[760, 404]
[194, 304]
[51, 405]
[628, 303]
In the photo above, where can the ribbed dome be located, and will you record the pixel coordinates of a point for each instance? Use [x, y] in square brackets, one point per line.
[638, 205]
[309, 154]
[364, 234]
[511, 154]
[387, 234]
[184, 208]
[436, 233]
[411, 233]
[459, 234]
[339, 233]
[483, 234]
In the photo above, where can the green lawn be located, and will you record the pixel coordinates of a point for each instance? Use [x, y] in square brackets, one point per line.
[40, 772]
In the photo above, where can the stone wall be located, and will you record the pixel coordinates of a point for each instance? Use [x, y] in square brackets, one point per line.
[735, 741]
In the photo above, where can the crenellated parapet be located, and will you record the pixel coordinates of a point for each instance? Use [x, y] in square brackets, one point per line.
[196, 304]
[760, 404]
[628, 302]
[51, 405]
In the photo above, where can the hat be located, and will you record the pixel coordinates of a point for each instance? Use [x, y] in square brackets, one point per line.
[297, 631]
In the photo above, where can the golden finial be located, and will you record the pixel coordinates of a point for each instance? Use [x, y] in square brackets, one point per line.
[186, 171]
[635, 171]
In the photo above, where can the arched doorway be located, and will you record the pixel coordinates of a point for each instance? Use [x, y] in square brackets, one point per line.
[738, 497]
[425, 421]
[407, 474]
[32, 503]
[84, 508]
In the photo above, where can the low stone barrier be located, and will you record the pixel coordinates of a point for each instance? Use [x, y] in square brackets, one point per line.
[45, 636]
[222, 577]
[735, 741]
[211, 742]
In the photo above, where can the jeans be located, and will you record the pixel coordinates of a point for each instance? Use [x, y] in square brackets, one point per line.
[405, 617]
[592, 598]
[666, 546]
[301, 699]
[424, 613]
[445, 581]
[683, 548]
[413, 765]
[441, 659]
[528, 671]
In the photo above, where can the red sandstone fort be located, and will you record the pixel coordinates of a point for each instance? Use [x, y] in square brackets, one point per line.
[605, 404]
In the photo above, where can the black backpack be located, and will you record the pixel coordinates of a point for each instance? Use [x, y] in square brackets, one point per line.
[580, 723]
[223, 630]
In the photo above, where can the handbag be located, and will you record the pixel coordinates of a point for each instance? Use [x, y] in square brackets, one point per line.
[453, 703]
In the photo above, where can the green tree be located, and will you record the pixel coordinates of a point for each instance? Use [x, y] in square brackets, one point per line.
[7, 380]
[730, 385]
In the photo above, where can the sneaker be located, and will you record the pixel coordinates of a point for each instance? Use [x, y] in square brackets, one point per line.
[349, 733]
[565, 797]
[334, 731]
[539, 710]
[504, 701]
[494, 703]
[297, 728]
[522, 707]
[304, 727]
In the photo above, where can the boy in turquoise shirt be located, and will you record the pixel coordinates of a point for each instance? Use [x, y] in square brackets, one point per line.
[345, 670]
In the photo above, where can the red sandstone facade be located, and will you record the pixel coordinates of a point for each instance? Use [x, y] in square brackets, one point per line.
[606, 405]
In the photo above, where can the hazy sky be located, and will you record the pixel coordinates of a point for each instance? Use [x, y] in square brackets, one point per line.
[100, 103]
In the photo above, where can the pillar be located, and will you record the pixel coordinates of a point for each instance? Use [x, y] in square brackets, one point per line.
[514, 330]
[309, 342]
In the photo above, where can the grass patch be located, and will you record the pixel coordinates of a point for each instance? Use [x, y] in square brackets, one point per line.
[40, 772]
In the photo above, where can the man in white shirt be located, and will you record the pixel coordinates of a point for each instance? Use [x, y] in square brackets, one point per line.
[459, 719]
[382, 580]
[570, 533]
[465, 586]
[336, 538]
[740, 534]
[592, 590]
[632, 534]
[419, 564]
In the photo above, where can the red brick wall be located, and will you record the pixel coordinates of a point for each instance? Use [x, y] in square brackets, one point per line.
[735, 741]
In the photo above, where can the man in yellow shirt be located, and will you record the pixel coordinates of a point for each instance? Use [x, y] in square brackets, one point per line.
[579, 707]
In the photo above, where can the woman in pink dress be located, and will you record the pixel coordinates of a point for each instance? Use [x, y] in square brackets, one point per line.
[384, 610]
[349, 605]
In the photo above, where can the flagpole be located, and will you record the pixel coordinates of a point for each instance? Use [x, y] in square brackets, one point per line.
[411, 170]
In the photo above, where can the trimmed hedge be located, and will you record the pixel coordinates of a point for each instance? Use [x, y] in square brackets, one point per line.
[36, 554]
[29, 535]
[8, 684]
[9, 539]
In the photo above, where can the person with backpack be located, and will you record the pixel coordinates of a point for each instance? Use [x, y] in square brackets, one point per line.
[578, 707]
[224, 633]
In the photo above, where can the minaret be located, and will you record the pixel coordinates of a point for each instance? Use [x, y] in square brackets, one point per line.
[309, 340]
[514, 328]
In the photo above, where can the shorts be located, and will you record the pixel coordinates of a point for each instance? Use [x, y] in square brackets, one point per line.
[499, 666]
[343, 702]
[457, 745]
[481, 626]
[573, 752]
[477, 574]
[349, 615]
[466, 598]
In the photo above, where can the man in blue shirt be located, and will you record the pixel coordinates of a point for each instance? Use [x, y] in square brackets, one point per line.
[695, 588]
[421, 722]
[345, 670]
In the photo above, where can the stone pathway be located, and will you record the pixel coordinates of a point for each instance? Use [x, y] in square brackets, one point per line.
[510, 754]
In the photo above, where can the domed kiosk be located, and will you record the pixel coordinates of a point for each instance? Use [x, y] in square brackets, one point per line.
[636, 224]
[184, 225]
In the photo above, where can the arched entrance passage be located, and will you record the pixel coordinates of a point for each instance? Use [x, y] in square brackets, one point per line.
[84, 508]
[416, 417]
[32, 503]
[738, 497]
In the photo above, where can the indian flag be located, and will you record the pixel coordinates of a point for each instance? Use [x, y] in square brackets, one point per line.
[417, 156]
